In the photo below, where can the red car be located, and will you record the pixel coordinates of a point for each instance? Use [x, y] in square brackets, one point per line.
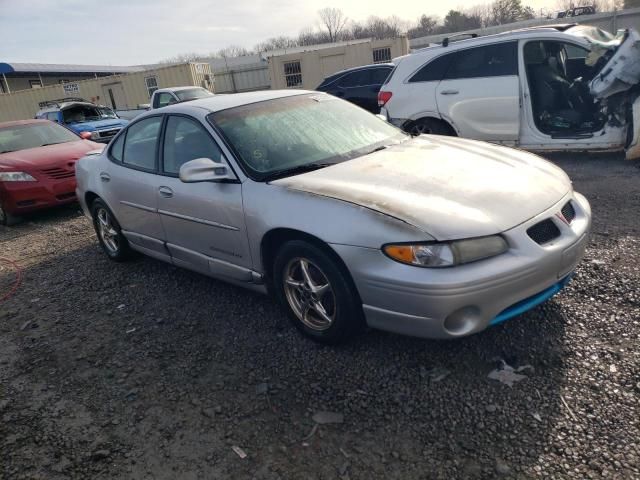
[37, 166]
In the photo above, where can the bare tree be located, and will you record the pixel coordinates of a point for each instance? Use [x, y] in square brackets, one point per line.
[276, 43]
[184, 57]
[231, 51]
[426, 26]
[334, 21]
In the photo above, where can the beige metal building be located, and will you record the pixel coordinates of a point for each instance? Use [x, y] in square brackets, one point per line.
[124, 91]
[306, 68]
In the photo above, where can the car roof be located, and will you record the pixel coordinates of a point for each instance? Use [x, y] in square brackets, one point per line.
[556, 30]
[361, 67]
[15, 123]
[232, 100]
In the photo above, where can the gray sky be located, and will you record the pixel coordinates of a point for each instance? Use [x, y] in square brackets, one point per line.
[124, 32]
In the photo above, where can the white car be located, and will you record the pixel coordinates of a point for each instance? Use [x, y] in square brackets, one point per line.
[564, 87]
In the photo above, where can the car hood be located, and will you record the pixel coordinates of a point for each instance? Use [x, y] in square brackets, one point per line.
[449, 188]
[97, 124]
[51, 155]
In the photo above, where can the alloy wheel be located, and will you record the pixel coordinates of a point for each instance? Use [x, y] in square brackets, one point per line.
[309, 294]
[108, 233]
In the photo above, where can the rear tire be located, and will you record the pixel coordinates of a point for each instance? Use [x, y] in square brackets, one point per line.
[7, 219]
[430, 126]
[109, 233]
[319, 296]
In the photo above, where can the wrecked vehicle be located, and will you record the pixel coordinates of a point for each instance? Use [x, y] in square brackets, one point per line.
[346, 219]
[563, 87]
[90, 121]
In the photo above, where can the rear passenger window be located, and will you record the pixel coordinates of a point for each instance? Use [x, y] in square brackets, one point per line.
[489, 61]
[117, 147]
[379, 75]
[141, 143]
[355, 79]
[433, 71]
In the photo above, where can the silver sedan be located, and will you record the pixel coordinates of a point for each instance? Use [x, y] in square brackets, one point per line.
[344, 218]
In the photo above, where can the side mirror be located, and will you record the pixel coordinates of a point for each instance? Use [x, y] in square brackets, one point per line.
[85, 135]
[204, 170]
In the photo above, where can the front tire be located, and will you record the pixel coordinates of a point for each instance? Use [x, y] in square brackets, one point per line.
[317, 293]
[109, 233]
[7, 219]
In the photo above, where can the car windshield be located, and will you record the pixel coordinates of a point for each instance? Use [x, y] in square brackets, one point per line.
[288, 134]
[106, 112]
[192, 94]
[86, 113]
[22, 137]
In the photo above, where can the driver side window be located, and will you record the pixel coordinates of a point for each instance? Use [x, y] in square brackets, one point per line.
[186, 140]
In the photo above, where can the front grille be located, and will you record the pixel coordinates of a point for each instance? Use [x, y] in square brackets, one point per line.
[543, 232]
[58, 173]
[108, 133]
[568, 212]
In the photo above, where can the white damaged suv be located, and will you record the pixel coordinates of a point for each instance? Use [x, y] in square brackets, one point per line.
[561, 87]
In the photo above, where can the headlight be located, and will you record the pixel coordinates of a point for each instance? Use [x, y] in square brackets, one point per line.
[447, 254]
[95, 135]
[16, 177]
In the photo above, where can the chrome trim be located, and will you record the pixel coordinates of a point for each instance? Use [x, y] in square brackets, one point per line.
[141, 207]
[198, 220]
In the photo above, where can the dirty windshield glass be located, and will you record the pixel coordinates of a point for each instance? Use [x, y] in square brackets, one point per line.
[22, 137]
[192, 94]
[305, 130]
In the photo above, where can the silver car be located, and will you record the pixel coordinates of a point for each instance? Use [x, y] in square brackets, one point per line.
[345, 219]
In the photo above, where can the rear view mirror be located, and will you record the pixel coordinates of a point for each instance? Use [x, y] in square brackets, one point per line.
[204, 170]
[85, 135]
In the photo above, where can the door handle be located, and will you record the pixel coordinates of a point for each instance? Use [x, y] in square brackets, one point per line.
[449, 92]
[105, 177]
[166, 192]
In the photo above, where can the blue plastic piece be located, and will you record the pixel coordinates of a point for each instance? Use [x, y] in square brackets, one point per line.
[531, 302]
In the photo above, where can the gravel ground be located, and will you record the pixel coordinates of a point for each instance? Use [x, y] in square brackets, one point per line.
[142, 370]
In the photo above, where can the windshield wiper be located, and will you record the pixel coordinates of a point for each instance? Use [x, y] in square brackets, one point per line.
[7, 151]
[53, 143]
[286, 172]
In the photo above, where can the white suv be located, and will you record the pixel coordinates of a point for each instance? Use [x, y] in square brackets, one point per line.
[564, 87]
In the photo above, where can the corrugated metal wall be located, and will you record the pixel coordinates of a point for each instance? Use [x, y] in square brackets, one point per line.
[24, 104]
[243, 79]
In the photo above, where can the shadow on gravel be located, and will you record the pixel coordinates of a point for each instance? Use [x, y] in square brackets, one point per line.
[142, 369]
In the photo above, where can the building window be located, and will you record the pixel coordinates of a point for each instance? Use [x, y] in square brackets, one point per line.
[293, 74]
[35, 83]
[152, 84]
[382, 55]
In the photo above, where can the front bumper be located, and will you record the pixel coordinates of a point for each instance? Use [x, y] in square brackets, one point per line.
[458, 301]
[23, 197]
